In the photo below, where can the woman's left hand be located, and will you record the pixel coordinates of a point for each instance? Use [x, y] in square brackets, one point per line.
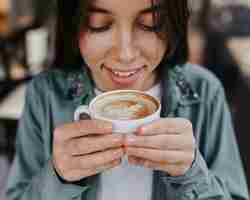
[167, 144]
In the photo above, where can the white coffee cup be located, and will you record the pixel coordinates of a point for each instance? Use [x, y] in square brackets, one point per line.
[122, 125]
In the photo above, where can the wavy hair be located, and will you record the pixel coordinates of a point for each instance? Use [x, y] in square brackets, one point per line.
[73, 15]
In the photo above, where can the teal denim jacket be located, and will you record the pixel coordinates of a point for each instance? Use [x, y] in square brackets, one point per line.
[192, 93]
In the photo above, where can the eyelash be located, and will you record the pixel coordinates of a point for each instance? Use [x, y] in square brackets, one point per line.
[155, 28]
[99, 29]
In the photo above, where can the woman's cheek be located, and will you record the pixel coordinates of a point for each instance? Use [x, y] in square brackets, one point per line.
[152, 47]
[94, 46]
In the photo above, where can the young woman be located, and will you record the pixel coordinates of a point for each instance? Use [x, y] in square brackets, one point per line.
[104, 45]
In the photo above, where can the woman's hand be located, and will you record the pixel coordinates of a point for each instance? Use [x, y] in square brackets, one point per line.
[167, 145]
[85, 148]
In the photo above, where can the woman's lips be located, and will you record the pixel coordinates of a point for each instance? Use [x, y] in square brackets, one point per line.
[124, 78]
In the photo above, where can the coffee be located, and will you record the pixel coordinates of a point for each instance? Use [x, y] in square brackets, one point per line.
[125, 105]
[125, 109]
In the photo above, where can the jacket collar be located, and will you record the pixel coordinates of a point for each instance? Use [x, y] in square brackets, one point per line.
[180, 92]
[79, 86]
[179, 89]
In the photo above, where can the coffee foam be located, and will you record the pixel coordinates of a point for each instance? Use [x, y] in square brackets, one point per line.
[125, 106]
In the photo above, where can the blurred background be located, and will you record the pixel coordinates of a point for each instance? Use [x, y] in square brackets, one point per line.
[219, 40]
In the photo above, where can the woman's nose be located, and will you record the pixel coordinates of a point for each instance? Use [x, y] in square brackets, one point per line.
[127, 49]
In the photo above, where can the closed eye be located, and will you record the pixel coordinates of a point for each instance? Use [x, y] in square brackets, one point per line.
[99, 29]
[153, 28]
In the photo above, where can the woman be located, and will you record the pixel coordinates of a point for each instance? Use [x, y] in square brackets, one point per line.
[113, 44]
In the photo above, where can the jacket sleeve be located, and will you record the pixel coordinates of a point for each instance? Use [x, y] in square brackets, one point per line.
[217, 172]
[32, 176]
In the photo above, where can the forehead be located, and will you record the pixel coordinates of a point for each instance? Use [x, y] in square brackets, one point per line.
[118, 7]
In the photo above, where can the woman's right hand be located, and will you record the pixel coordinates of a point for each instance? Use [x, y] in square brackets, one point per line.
[85, 148]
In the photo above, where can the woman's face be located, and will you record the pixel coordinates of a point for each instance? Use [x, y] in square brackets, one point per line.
[120, 45]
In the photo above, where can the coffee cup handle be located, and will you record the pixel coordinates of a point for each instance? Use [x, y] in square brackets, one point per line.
[82, 113]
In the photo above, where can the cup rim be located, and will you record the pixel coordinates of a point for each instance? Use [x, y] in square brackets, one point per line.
[157, 101]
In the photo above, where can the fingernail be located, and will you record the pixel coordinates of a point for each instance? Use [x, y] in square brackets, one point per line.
[130, 139]
[119, 152]
[140, 131]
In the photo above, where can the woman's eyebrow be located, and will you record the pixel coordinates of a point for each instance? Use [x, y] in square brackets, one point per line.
[151, 9]
[99, 10]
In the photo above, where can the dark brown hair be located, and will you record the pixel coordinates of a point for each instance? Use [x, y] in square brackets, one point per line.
[72, 15]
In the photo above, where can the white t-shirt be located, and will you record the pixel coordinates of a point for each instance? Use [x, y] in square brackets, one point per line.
[127, 182]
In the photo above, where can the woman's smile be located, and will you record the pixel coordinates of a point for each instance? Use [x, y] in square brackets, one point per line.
[124, 77]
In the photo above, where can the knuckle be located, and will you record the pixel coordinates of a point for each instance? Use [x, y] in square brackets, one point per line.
[187, 124]
[63, 163]
[58, 134]
[193, 143]
[183, 169]
[189, 159]
[62, 170]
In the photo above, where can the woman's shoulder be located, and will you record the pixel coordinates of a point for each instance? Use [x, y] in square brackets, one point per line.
[204, 82]
[49, 80]
[198, 73]
[61, 83]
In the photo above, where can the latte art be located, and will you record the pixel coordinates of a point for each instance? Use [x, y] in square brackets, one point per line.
[125, 106]
[126, 109]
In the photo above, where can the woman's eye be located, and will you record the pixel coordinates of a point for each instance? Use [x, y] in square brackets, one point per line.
[147, 23]
[99, 29]
[151, 28]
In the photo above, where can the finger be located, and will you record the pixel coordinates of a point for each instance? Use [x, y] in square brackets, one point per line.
[161, 142]
[165, 157]
[96, 160]
[136, 160]
[83, 128]
[91, 144]
[171, 169]
[133, 160]
[107, 166]
[166, 126]
[75, 175]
